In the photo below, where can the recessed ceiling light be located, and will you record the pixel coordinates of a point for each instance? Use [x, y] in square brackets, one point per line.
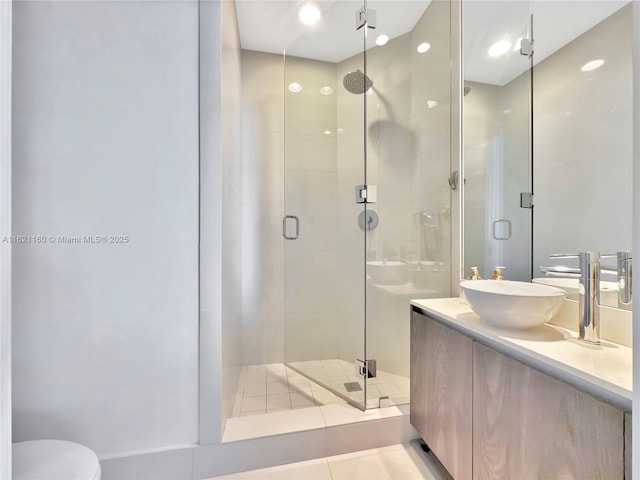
[592, 65]
[499, 48]
[327, 132]
[326, 90]
[309, 14]
[423, 47]
[382, 39]
[295, 87]
[431, 103]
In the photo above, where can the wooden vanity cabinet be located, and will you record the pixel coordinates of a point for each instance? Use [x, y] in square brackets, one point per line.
[529, 425]
[487, 416]
[441, 392]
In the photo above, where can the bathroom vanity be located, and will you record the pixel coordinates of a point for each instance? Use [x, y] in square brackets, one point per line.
[493, 403]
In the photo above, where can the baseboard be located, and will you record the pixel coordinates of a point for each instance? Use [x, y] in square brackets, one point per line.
[205, 461]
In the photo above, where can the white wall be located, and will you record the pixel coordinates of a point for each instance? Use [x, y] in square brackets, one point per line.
[106, 142]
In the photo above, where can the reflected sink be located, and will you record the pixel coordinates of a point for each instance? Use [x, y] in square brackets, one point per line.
[387, 273]
[608, 290]
[512, 305]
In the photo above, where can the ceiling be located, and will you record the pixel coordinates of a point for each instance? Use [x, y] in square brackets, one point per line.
[555, 23]
[273, 26]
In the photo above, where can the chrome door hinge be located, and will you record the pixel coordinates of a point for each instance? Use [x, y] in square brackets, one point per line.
[366, 16]
[366, 369]
[366, 194]
[454, 180]
[526, 47]
[526, 200]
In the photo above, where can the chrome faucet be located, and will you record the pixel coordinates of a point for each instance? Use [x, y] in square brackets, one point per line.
[588, 274]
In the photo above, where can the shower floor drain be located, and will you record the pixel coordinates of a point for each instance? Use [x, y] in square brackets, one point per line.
[353, 387]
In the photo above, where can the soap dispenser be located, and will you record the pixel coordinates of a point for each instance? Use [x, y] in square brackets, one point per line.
[475, 274]
[498, 273]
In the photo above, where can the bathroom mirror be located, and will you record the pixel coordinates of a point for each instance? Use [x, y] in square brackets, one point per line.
[574, 152]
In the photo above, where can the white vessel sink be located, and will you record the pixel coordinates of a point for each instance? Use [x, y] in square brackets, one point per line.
[512, 305]
[387, 273]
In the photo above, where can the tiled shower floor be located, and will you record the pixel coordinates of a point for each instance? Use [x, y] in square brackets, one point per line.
[275, 387]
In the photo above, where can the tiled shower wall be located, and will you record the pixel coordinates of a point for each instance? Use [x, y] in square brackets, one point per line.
[262, 207]
[311, 192]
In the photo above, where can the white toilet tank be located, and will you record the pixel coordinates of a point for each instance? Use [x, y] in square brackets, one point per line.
[54, 460]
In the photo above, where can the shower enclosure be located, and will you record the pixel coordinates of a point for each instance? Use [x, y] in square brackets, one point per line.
[345, 194]
[364, 217]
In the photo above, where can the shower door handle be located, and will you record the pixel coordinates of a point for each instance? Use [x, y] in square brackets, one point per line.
[284, 227]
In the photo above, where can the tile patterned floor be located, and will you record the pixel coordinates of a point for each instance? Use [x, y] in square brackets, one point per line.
[274, 387]
[397, 462]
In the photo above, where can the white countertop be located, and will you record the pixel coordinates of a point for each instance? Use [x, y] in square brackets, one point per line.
[605, 371]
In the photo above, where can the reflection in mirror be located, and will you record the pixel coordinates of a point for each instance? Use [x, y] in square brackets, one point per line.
[583, 146]
[496, 130]
[581, 134]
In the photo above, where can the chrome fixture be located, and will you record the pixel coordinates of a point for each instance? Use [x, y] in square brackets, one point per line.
[357, 82]
[526, 200]
[366, 194]
[366, 16]
[454, 180]
[368, 220]
[526, 47]
[588, 274]
[624, 277]
[622, 271]
[285, 220]
[466, 90]
[501, 233]
[366, 368]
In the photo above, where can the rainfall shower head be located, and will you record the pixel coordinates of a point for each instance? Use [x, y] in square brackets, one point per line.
[466, 90]
[356, 82]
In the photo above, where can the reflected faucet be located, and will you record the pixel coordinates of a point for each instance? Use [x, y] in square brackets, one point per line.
[625, 278]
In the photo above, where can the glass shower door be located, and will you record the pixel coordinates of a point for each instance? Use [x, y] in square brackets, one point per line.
[374, 121]
[324, 247]
[408, 160]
